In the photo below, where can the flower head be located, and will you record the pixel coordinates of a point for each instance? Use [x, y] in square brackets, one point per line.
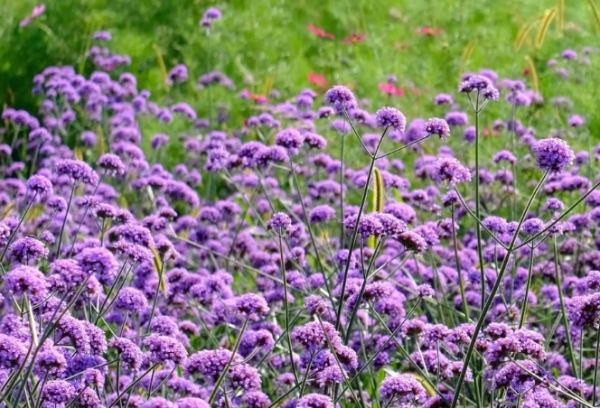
[553, 155]
[391, 117]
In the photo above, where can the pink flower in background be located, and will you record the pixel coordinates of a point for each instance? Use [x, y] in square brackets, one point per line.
[36, 12]
[429, 31]
[25, 22]
[318, 79]
[320, 32]
[391, 89]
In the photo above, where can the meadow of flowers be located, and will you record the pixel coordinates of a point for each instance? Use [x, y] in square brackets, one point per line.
[321, 252]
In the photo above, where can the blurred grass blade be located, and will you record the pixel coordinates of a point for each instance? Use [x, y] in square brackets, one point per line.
[533, 73]
[560, 17]
[468, 50]
[161, 63]
[158, 266]
[595, 12]
[78, 153]
[377, 200]
[524, 33]
[543, 27]
[378, 191]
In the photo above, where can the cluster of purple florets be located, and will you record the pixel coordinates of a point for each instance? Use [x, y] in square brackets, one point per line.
[267, 268]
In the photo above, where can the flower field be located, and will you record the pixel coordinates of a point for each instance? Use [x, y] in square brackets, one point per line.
[292, 226]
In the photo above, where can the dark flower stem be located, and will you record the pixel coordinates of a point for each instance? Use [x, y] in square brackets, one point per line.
[154, 301]
[286, 308]
[310, 230]
[399, 149]
[342, 209]
[527, 288]
[236, 346]
[361, 293]
[563, 311]
[87, 208]
[355, 234]
[596, 366]
[461, 283]
[488, 303]
[478, 202]
[62, 228]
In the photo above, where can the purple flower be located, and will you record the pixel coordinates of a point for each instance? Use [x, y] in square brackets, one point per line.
[50, 362]
[457, 119]
[436, 126]
[553, 155]
[251, 306]
[131, 300]
[341, 95]
[368, 225]
[403, 388]
[12, 352]
[533, 226]
[100, 262]
[315, 304]
[412, 241]
[448, 171]
[289, 138]
[58, 392]
[27, 249]
[177, 75]
[40, 186]
[164, 348]
[475, 83]
[209, 363]
[315, 401]
[280, 222]
[443, 99]
[131, 355]
[569, 54]
[77, 170]
[504, 155]
[213, 14]
[390, 117]
[576, 121]
[111, 164]
[321, 213]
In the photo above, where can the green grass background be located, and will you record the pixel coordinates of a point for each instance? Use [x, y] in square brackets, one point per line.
[264, 44]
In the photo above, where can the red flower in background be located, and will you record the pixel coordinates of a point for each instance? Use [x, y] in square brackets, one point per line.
[526, 72]
[429, 31]
[318, 79]
[246, 94]
[391, 89]
[320, 32]
[354, 38]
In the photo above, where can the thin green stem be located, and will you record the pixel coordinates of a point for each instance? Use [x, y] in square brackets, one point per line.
[461, 283]
[596, 366]
[488, 303]
[527, 288]
[286, 309]
[478, 203]
[355, 235]
[62, 228]
[563, 311]
[213, 394]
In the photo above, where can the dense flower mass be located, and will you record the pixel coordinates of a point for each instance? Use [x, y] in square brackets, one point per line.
[297, 250]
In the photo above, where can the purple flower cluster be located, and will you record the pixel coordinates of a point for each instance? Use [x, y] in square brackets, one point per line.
[247, 262]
